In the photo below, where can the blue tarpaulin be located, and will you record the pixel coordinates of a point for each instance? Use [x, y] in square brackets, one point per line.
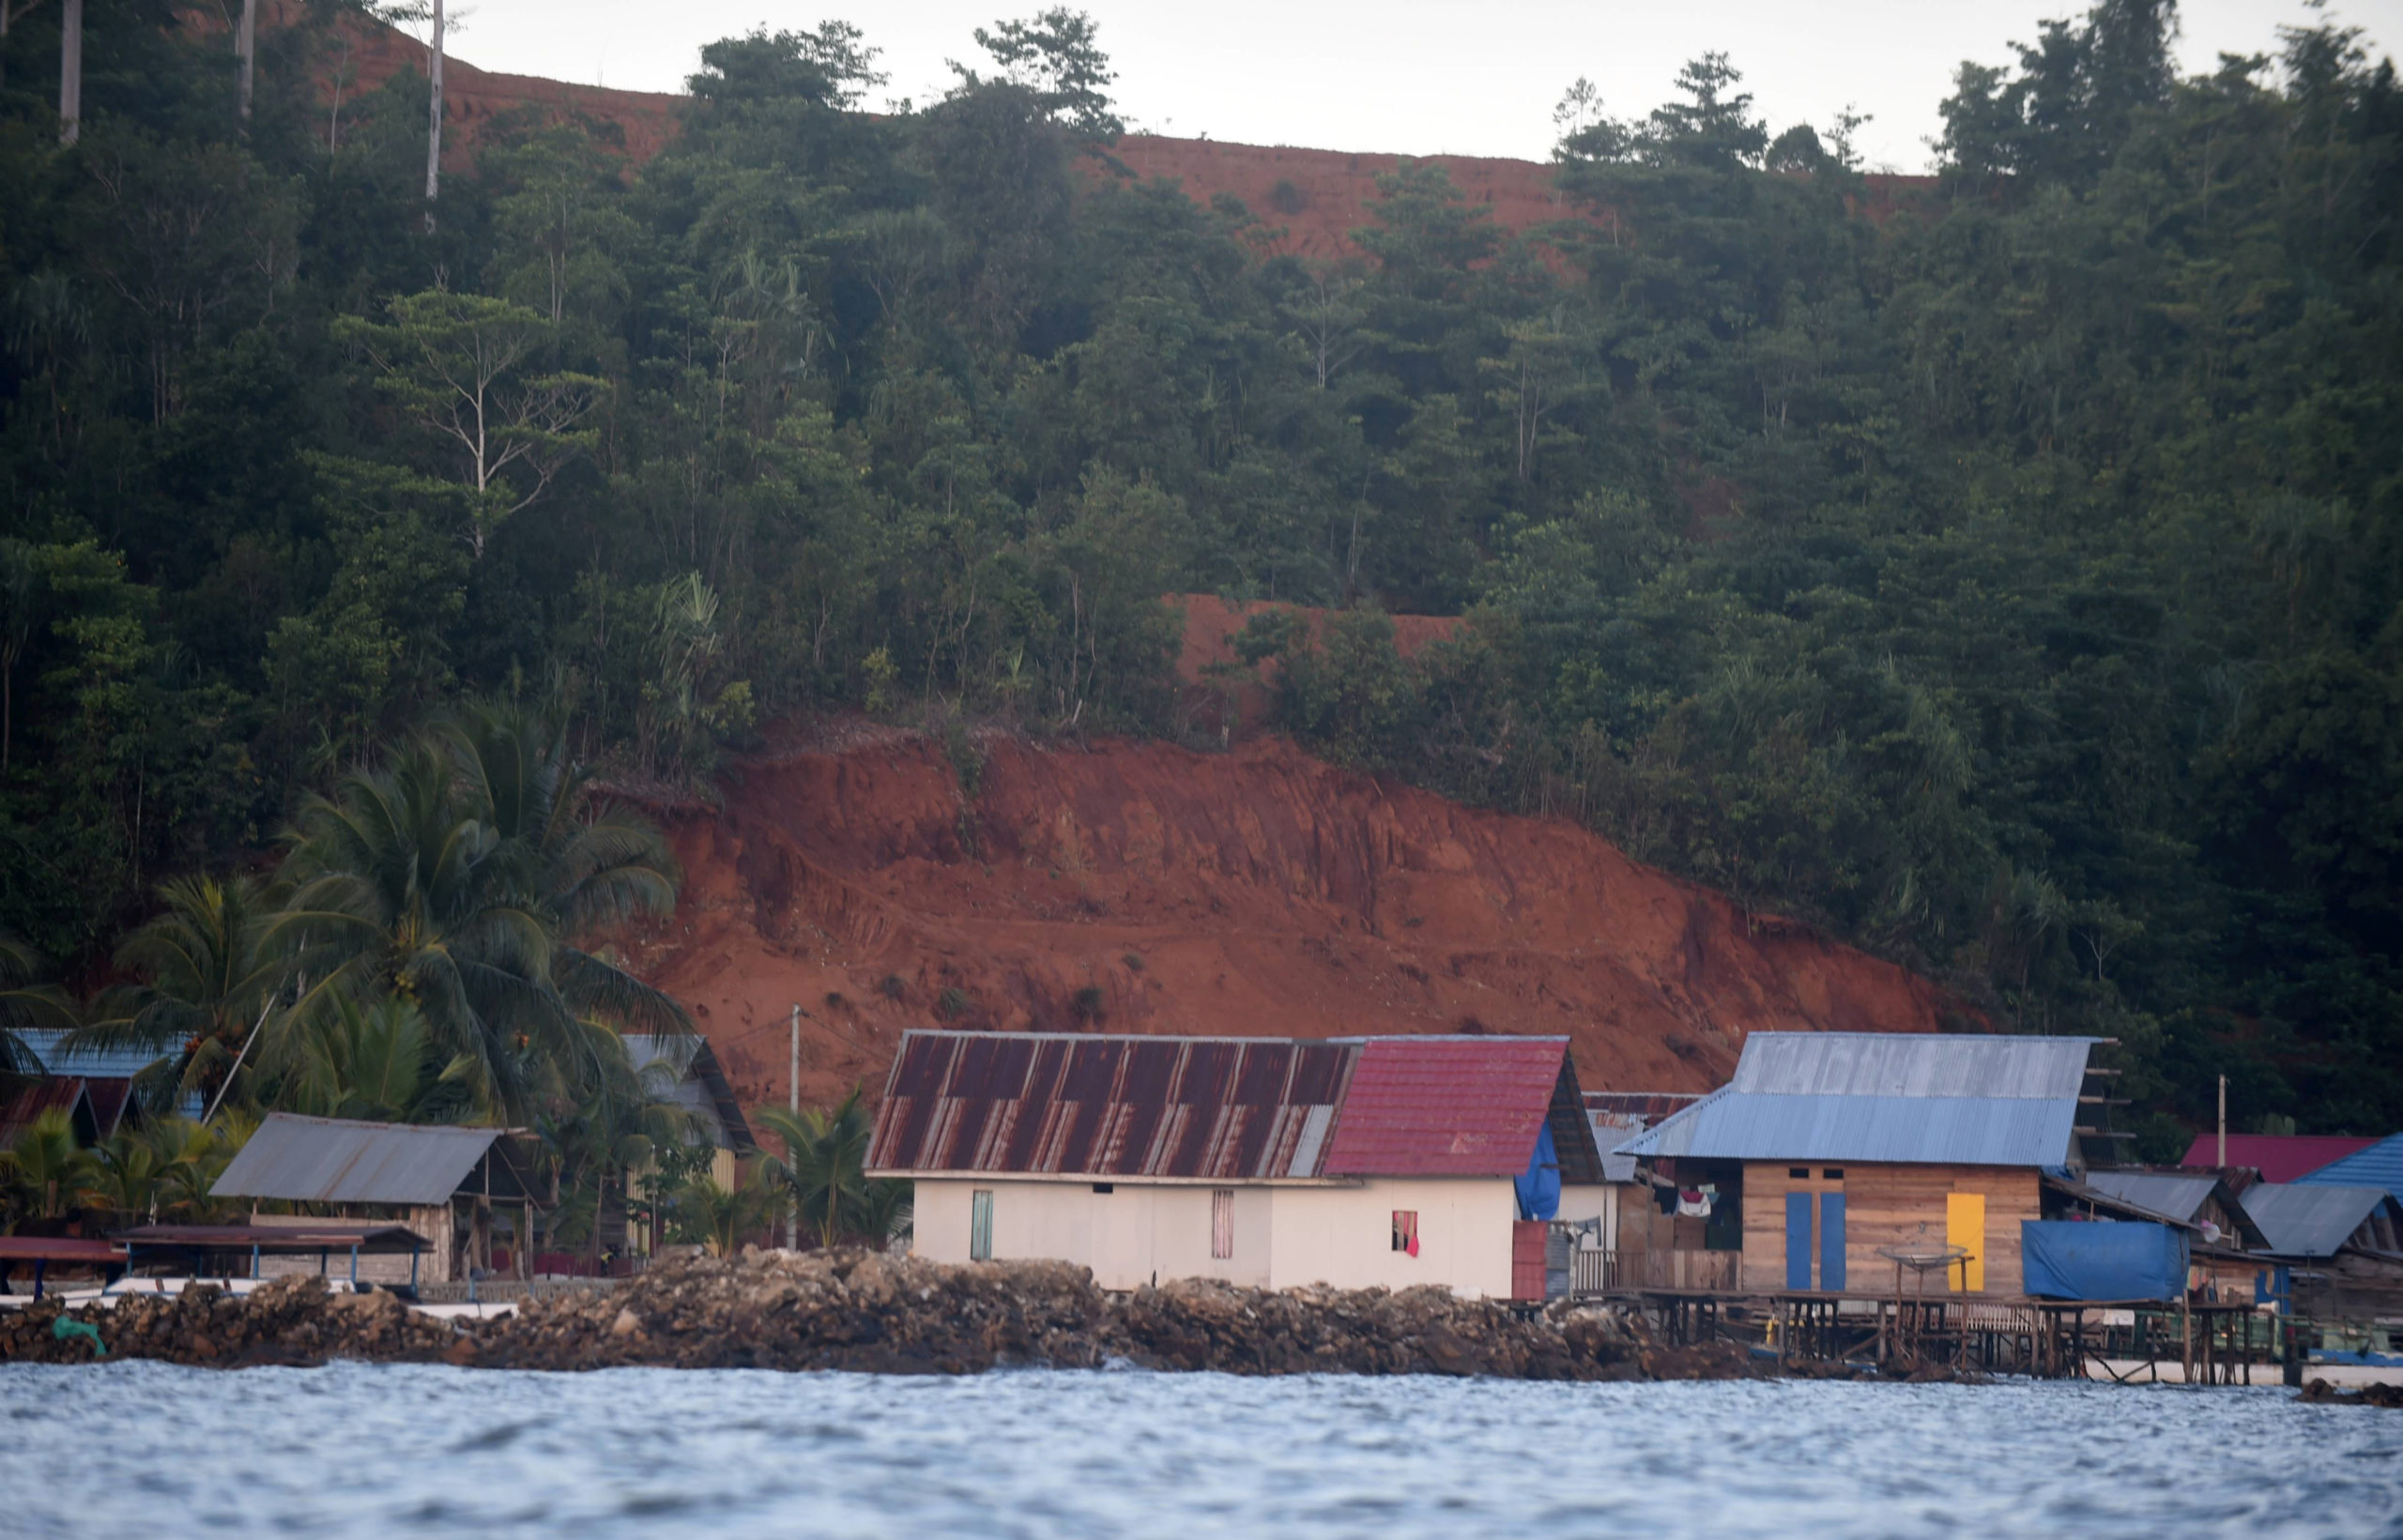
[2076, 1259]
[1539, 1189]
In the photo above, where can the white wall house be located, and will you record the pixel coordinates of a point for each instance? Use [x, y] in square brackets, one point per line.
[1272, 1162]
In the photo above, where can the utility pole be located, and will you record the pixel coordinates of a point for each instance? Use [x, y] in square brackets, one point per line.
[793, 1215]
[434, 120]
[2223, 1121]
[70, 72]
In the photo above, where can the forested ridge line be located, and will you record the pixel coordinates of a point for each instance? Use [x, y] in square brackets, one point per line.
[2013, 589]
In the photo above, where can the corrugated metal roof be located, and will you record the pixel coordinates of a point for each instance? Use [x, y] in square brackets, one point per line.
[1950, 1100]
[2301, 1219]
[1083, 1105]
[1610, 1130]
[1917, 1130]
[1447, 1106]
[2379, 1165]
[1898, 1064]
[332, 1160]
[2178, 1196]
[49, 1045]
[32, 1098]
[701, 1085]
[2279, 1157]
[1227, 1109]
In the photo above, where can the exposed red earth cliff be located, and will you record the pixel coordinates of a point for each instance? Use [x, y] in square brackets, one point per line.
[1312, 199]
[1141, 886]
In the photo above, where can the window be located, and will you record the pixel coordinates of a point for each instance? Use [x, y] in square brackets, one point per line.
[1105, 1187]
[980, 1226]
[1405, 1230]
[1833, 1173]
[1222, 1222]
[1800, 1173]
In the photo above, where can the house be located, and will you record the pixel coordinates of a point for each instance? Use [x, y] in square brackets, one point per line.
[1830, 1150]
[2204, 1199]
[1392, 1160]
[1646, 1243]
[2279, 1157]
[2342, 1246]
[444, 1183]
[28, 1100]
[694, 1081]
[2376, 1164]
[107, 1100]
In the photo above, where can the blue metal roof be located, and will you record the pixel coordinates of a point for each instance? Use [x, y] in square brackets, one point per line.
[2379, 1166]
[2309, 1220]
[102, 1064]
[1865, 1096]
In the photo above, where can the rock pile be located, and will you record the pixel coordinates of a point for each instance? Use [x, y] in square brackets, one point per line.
[870, 1312]
[292, 1320]
[2368, 1396]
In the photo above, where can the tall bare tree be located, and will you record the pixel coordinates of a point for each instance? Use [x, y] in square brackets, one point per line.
[246, 47]
[70, 72]
[433, 115]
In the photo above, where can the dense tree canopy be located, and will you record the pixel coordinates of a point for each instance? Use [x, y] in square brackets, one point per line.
[2010, 582]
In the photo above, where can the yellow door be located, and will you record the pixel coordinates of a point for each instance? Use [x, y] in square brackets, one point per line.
[1964, 1225]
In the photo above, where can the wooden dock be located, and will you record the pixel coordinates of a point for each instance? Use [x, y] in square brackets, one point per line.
[2120, 1340]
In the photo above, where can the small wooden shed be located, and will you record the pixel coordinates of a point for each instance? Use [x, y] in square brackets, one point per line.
[443, 1183]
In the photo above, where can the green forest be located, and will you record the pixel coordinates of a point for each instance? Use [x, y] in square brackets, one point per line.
[2003, 576]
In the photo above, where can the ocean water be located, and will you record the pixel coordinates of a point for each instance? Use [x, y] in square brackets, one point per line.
[357, 1449]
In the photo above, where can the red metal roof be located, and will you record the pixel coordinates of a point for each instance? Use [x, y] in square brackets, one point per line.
[57, 1248]
[1447, 1106]
[2279, 1157]
[1225, 1108]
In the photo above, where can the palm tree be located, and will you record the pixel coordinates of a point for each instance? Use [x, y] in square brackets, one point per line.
[376, 1062]
[589, 866]
[721, 1216]
[208, 971]
[824, 1171]
[458, 878]
[191, 1156]
[26, 1002]
[47, 1164]
[124, 1177]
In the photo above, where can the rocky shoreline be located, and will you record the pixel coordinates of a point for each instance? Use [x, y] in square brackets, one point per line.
[866, 1312]
[869, 1312]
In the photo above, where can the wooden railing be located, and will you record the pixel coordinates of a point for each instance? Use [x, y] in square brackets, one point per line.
[1604, 1272]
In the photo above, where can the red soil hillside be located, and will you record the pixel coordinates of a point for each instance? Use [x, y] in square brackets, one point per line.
[1315, 198]
[1139, 886]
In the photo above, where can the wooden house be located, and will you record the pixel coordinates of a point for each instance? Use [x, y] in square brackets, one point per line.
[443, 1183]
[1835, 1149]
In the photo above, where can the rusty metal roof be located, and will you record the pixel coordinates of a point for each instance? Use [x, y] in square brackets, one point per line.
[32, 1098]
[277, 1239]
[334, 1160]
[1223, 1108]
[1650, 1105]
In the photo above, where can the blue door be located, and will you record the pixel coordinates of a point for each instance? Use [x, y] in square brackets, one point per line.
[1831, 1241]
[1797, 1240]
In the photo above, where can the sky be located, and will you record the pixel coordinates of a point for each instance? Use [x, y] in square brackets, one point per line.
[1411, 77]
